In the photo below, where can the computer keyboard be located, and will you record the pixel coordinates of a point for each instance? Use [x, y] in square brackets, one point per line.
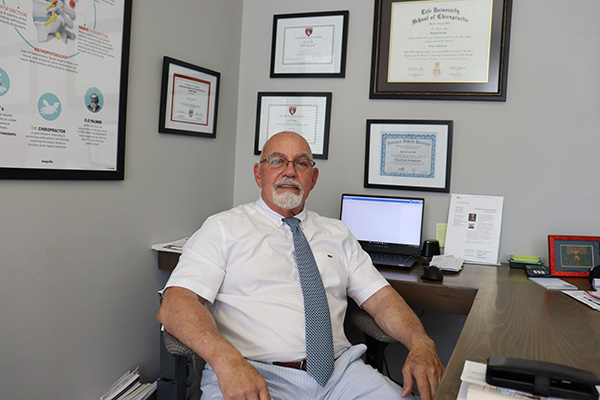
[392, 259]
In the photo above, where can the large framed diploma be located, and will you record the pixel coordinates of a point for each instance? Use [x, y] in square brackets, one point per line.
[440, 49]
[307, 114]
[309, 45]
[63, 88]
[408, 155]
[189, 99]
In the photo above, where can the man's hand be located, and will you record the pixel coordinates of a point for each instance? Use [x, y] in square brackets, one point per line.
[183, 314]
[423, 365]
[397, 319]
[240, 381]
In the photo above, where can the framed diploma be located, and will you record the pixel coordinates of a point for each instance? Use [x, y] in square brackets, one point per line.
[440, 49]
[63, 89]
[310, 45]
[308, 114]
[408, 155]
[189, 99]
[573, 255]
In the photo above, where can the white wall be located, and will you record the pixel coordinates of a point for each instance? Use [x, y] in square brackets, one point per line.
[539, 149]
[78, 280]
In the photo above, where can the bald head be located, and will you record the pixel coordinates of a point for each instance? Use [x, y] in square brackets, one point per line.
[284, 137]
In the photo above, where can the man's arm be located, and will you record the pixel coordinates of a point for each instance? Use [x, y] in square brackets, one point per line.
[183, 314]
[397, 319]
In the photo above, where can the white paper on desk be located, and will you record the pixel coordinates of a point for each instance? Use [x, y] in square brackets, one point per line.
[447, 263]
[585, 298]
[171, 247]
[474, 225]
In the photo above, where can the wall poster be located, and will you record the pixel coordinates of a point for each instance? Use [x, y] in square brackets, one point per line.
[63, 88]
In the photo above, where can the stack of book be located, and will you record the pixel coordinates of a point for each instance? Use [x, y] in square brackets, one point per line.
[129, 387]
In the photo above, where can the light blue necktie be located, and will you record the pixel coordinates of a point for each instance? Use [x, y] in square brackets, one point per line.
[319, 340]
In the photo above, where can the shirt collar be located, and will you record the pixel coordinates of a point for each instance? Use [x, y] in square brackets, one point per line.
[275, 217]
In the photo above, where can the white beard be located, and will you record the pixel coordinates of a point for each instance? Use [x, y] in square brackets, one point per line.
[288, 200]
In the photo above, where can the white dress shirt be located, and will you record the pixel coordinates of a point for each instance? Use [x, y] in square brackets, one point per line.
[241, 262]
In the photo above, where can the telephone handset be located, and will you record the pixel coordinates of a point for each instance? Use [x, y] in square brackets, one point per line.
[542, 378]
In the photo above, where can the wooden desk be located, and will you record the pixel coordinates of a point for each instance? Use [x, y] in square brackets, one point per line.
[507, 315]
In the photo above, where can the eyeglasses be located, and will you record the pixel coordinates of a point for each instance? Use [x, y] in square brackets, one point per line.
[277, 162]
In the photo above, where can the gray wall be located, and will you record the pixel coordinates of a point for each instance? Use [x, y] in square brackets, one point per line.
[78, 280]
[539, 149]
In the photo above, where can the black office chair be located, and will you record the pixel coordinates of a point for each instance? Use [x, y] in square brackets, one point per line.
[376, 339]
[182, 354]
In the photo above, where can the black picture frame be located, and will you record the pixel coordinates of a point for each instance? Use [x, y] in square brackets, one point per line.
[285, 63]
[393, 147]
[116, 173]
[276, 112]
[185, 81]
[492, 87]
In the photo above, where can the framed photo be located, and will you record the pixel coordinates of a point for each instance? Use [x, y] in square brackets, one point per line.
[189, 99]
[573, 255]
[408, 155]
[440, 49]
[310, 45]
[308, 114]
[64, 70]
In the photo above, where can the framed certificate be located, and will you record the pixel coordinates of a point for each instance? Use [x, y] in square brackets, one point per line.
[189, 99]
[63, 89]
[573, 255]
[440, 49]
[310, 45]
[408, 155]
[307, 114]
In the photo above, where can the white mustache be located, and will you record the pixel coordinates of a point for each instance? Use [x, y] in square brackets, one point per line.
[289, 181]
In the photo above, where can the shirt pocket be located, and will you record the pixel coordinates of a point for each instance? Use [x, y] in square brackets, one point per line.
[333, 272]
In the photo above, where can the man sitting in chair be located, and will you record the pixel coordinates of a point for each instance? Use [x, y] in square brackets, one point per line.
[260, 293]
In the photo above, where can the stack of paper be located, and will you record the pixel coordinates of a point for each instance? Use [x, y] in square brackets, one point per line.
[128, 387]
[553, 283]
[591, 299]
[171, 247]
[448, 262]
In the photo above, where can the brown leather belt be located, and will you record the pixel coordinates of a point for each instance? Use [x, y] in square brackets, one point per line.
[295, 364]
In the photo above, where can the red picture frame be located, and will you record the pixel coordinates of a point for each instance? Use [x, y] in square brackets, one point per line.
[573, 255]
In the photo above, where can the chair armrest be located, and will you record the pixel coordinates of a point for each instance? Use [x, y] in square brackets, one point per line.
[174, 346]
[361, 320]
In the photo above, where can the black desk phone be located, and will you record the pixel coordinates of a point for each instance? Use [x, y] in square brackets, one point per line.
[538, 271]
[542, 378]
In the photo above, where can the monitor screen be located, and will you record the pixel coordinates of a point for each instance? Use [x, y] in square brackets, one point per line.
[384, 219]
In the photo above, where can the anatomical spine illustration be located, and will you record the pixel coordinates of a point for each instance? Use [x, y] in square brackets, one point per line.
[53, 18]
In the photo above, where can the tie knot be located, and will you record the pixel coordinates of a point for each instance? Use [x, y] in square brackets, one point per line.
[292, 222]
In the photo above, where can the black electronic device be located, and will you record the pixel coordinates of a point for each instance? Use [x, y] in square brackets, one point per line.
[542, 378]
[594, 274]
[432, 273]
[537, 271]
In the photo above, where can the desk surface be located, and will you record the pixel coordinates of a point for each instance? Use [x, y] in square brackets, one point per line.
[507, 315]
